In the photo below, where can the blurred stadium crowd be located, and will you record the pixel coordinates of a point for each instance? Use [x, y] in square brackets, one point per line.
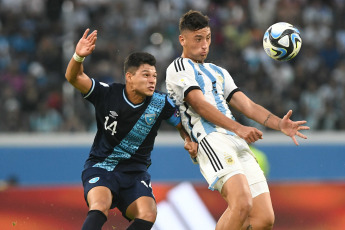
[37, 39]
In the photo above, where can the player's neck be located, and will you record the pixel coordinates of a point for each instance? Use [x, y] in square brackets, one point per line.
[193, 60]
[134, 97]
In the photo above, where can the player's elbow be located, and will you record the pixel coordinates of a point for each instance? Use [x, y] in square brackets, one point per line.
[70, 78]
[68, 75]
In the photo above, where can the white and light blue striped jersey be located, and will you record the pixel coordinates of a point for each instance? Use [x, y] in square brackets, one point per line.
[184, 75]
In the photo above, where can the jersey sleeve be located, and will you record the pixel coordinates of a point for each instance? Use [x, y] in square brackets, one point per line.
[181, 78]
[172, 114]
[229, 85]
[97, 92]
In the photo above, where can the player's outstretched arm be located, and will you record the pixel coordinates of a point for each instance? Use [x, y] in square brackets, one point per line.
[75, 72]
[292, 128]
[261, 115]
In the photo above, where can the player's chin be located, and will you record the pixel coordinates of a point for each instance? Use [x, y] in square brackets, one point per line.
[202, 57]
[150, 93]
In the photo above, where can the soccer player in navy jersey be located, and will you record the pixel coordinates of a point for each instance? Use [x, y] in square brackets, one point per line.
[128, 117]
[203, 91]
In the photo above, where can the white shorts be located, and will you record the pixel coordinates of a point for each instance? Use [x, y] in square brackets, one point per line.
[221, 156]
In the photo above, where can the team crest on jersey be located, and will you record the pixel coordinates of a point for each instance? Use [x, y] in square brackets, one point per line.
[229, 160]
[149, 118]
[220, 78]
[182, 81]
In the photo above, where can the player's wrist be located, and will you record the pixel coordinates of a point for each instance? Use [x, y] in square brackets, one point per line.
[187, 139]
[279, 124]
[78, 58]
[236, 127]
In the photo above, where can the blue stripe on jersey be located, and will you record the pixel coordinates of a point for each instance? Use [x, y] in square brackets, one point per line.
[175, 119]
[214, 89]
[210, 127]
[198, 78]
[218, 70]
[170, 101]
[130, 144]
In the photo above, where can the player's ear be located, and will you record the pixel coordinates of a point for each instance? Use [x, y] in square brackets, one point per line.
[128, 76]
[181, 39]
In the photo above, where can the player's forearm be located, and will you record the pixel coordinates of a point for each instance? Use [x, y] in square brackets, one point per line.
[74, 69]
[272, 121]
[265, 117]
[183, 133]
[213, 115]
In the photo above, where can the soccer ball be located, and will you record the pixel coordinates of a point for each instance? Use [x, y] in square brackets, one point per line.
[282, 41]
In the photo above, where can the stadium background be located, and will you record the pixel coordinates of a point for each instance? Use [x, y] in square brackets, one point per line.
[46, 128]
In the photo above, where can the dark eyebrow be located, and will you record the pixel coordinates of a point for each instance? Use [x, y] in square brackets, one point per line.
[145, 70]
[200, 36]
[148, 71]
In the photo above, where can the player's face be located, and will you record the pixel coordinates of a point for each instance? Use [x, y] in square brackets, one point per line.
[196, 44]
[143, 81]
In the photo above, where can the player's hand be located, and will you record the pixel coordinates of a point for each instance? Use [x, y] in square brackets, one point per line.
[291, 128]
[249, 134]
[191, 147]
[86, 44]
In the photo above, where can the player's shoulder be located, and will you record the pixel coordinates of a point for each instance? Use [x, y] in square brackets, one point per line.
[160, 94]
[113, 88]
[214, 66]
[221, 70]
[107, 84]
[116, 85]
[164, 96]
[180, 64]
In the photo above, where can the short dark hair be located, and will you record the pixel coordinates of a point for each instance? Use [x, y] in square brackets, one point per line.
[135, 60]
[193, 20]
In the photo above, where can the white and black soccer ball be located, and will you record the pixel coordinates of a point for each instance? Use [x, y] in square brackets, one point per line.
[282, 41]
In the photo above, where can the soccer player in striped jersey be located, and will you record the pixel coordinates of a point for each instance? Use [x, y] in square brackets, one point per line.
[203, 91]
[128, 117]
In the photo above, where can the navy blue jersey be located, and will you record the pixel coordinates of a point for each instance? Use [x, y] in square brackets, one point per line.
[126, 132]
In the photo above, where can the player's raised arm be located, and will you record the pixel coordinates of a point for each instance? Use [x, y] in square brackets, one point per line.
[75, 72]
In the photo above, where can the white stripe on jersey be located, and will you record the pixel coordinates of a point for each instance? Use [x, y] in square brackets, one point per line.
[91, 90]
[215, 83]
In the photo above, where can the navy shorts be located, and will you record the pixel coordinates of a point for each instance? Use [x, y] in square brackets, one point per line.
[125, 187]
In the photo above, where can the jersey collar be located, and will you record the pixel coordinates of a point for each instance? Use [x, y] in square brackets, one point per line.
[130, 103]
